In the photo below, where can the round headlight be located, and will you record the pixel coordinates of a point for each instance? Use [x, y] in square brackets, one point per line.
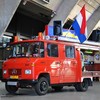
[27, 71]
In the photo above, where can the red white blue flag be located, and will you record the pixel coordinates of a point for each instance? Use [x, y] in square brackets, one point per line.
[80, 26]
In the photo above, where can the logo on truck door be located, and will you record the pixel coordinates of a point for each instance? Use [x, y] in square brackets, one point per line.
[55, 64]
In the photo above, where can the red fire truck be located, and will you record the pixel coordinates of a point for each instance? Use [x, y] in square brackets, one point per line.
[41, 63]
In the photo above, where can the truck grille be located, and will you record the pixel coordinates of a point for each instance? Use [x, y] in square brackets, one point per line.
[15, 71]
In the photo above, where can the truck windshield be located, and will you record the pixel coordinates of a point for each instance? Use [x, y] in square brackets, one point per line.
[34, 49]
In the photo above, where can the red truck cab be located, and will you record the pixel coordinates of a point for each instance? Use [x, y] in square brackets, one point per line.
[41, 63]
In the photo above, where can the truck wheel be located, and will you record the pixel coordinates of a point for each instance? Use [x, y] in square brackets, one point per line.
[41, 87]
[83, 86]
[11, 89]
[57, 88]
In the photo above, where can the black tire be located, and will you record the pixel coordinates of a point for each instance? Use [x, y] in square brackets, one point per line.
[83, 86]
[57, 88]
[41, 87]
[11, 89]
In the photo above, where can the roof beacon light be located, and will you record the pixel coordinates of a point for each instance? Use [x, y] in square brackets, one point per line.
[16, 39]
[40, 36]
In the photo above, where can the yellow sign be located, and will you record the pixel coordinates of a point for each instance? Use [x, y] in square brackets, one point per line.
[14, 77]
[69, 34]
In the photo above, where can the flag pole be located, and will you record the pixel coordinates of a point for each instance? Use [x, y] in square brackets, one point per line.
[70, 28]
[89, 35]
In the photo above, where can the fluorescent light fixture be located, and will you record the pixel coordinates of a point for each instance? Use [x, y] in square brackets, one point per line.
[89, 51]
[7, 37]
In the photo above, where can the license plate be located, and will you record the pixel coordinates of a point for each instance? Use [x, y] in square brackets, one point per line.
[12, 83]
[14, 77]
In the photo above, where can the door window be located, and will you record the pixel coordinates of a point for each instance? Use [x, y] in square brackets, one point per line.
[70, 51]
[52, 50]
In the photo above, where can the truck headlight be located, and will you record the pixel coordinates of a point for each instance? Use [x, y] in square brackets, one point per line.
[4, 71]
[27, 71]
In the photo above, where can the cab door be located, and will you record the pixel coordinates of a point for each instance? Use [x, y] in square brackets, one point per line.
[69, 64]
[54, 62]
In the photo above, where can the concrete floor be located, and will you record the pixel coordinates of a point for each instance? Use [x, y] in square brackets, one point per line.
[68, 93]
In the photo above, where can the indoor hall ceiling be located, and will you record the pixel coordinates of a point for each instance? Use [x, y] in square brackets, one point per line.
[42, 13]
[34, 10]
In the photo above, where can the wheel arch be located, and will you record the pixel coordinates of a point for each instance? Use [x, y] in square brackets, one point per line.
[46, 75]
[90, 80]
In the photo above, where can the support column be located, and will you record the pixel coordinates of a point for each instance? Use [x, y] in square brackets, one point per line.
[93, 20]
[63, 10]
[7, 10]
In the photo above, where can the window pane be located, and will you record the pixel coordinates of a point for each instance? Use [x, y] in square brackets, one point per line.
[52, 50]
[34, 49]
[69, 51]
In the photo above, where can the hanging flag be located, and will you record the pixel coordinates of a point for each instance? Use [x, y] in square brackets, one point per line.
[80, 26]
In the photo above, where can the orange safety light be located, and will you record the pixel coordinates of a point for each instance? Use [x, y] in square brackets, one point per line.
[40, 36]
[16, 39]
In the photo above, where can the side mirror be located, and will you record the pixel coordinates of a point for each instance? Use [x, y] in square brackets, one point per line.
[78, 49]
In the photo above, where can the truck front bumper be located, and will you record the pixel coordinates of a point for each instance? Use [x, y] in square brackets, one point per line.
[20, 83]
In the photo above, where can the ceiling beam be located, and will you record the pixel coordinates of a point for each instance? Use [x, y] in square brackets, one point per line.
[63, 10]
[7, 10]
